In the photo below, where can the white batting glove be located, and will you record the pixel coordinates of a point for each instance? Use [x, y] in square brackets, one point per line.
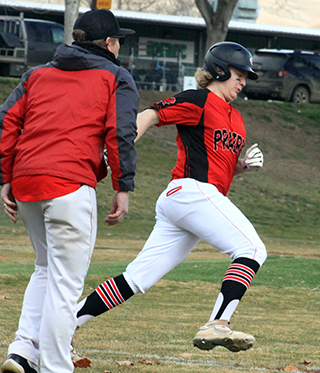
[253, 159]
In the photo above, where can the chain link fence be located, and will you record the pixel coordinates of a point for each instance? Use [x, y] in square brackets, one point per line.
[159, 69]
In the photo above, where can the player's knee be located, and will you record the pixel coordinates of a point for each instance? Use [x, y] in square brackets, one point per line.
[260, 254]
[134, 283]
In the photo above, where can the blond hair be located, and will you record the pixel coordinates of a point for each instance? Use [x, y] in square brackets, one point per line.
[203, 78]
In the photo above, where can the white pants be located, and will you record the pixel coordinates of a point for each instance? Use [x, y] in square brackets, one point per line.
[186, 212]
[62, 232]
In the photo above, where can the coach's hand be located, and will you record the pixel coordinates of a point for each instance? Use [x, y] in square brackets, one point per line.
[8, 201]
[119, 209]
[253, 159]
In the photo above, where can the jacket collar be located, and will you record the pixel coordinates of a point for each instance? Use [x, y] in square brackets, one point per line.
[95, 49]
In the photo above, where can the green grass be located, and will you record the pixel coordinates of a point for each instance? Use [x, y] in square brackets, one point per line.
[280, 309]
[6, 86]
[277, 271]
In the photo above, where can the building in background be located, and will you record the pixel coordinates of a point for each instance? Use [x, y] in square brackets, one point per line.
[245, 10]
[166, 48]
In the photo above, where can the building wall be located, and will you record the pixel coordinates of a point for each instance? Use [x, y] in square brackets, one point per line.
[160, 42]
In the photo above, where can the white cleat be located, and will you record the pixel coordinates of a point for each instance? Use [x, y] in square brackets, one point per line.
[78, 360]
[218, 333]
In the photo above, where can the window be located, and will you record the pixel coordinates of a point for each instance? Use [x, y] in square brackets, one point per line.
[57, 34]
[45, 32]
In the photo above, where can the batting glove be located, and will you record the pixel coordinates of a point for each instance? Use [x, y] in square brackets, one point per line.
[253, 159]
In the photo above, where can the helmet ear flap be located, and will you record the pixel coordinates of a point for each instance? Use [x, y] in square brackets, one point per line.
[224, 75]
[218, 72]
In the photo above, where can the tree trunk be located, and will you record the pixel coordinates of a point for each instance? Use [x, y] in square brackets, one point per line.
[217, 22]
[70, 16]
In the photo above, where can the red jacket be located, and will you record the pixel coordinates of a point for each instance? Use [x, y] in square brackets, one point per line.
[62, 114]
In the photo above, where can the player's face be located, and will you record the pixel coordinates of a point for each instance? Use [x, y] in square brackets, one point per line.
[113, 45]
[233, 86]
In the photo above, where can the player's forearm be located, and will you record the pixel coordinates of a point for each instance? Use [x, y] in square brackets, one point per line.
[239, 168]
[146, 119]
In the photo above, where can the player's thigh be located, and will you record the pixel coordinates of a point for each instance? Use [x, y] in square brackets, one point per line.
[71, 226]
[166, 247]
[32, 216]
[224, 226]
[201, 209]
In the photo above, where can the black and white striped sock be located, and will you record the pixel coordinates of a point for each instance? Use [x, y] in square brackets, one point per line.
[106, 296]
[236, 281]
[240, 270]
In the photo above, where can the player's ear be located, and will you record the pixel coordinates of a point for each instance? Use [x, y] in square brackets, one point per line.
[220, 70]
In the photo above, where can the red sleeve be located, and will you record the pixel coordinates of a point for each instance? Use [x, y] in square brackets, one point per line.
[185, 108]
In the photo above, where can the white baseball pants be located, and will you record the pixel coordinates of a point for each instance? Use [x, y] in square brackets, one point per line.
[186, 212]
[63, 233]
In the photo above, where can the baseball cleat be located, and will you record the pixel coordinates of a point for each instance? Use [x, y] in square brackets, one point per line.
[78, 360]
[218, 333]
[17, 364]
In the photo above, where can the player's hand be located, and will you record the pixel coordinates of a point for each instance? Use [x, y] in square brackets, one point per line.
[8, 201]
[253, 159]
[119, 209]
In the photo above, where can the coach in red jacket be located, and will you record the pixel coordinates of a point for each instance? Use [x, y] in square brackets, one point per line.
[53, 130]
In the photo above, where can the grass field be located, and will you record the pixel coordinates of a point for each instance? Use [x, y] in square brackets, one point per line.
[281, 308]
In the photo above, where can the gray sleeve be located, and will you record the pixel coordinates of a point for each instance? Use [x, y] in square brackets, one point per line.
[127, 103]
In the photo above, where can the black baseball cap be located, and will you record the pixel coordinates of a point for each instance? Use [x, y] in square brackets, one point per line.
[99, 24]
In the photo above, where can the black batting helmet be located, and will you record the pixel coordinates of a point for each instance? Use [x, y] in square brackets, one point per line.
[227, 54]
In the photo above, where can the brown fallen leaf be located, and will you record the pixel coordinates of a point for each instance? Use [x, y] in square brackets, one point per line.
[290, 368]
[145, 362]
[185, 354]
[107, 371]
[125, 363]
[306, 363]
[82, 363]
[2, 297]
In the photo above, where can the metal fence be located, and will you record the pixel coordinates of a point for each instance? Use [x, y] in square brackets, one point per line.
[157, 72]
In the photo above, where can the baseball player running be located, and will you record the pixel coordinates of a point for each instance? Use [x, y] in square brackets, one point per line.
[194, 207]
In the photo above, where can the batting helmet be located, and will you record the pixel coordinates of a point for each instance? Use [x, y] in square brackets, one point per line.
[227, 54]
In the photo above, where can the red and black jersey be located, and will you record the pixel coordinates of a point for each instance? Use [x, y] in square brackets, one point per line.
[210, 136]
